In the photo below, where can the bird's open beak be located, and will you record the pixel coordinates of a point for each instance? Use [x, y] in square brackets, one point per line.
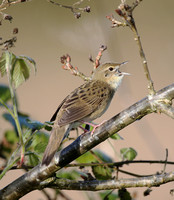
[124, 73]
[123, 63]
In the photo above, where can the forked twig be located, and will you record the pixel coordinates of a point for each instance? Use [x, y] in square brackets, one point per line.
[75, 10]
[125, 11]
[66, 61]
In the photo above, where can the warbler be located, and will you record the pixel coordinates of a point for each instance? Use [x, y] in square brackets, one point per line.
[84, 104]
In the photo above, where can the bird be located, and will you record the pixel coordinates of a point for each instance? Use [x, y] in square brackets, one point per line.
[86, 103]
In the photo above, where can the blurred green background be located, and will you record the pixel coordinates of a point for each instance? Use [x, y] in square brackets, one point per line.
[46, 32]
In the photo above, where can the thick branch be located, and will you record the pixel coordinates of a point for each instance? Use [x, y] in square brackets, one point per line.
[166, 109]
[32, 179]
[96, 185]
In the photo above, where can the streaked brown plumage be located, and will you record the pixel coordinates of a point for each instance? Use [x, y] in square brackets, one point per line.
[84, 104]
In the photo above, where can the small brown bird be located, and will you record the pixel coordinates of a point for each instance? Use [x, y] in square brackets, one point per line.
[84, 104]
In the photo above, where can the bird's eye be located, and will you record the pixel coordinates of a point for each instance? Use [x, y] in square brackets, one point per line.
[111, 68]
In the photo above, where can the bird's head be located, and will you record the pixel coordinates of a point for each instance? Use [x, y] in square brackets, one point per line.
[110, 73]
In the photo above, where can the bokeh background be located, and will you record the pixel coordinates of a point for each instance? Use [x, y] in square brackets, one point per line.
[46, 32]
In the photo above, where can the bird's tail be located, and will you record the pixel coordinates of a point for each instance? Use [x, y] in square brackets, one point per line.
[56, 137]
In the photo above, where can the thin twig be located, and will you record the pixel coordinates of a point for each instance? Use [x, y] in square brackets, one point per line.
[115, 23]
[96, 156]
[8, 43]
[46, 194]
[112, 164]
[75, 10]
[133, 174]
[96, 63]
[144, 62]
[7, 108]
[7, 3]
[66, 61]
[125, 11]
[165, 164]
[62, 194]
[120, 164]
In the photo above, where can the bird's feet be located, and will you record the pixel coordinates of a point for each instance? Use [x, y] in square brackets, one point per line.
[93, 125]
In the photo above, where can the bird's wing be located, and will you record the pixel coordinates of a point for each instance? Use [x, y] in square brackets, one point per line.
[82, 102]
[53, 118]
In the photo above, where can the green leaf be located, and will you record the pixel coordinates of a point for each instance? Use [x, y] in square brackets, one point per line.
[88, 157]
[102, 172]
[11, 137]
[22, 120]
[33, 159]
[35, 124]
[71, 175]
[48, 125]
[128, 153]
[30, 60]
[103, 156]
[109, 196]
[2, 64]
[87, 127]
[19, 67]
[5, 93]
[25, 121]
[116, 136]
[7, 60]
[20, 72]
[40, 147]
[124, 194]
[9, 143]
[36, 147]
[39, 142]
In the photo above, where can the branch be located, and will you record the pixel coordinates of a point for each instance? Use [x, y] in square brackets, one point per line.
[7, 3]
[33, 179]
[75, 10]
[96, 63]
[166, 109]
[96, 185]
[4, 5]
[66, 61]
[110, 164]
[120, 164]
[125, 11]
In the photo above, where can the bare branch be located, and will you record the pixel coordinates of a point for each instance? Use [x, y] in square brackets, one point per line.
[4, 5]
[115, 23]
[75, 10]
[98, 57]
[46, 194]
[125, 11]
[96, 185]
[120, 164]
[8, 43]
[7, 3]
[112, 164]
[66, 60]
[165, 164]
